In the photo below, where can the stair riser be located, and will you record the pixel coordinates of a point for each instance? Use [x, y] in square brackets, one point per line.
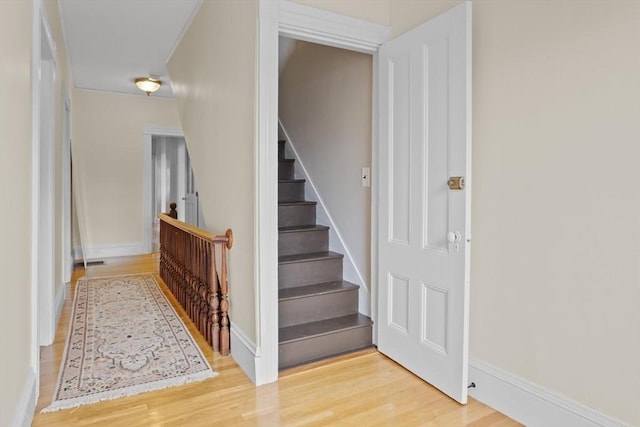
[303, 242]
[285, 170]
[317, 307]
[295, 274]
[281, 150]
[293, 216]
[302, 351]
[291, 191]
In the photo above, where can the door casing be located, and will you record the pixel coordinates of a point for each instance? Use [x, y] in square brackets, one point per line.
[318, 26]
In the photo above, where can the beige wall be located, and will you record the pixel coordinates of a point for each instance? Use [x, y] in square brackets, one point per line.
[556, 214]
[325, 106]
[107, 139]
[15, 175]
[213, 72]
[370, 10]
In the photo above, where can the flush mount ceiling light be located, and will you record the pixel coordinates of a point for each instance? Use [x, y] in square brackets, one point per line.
[148, 84]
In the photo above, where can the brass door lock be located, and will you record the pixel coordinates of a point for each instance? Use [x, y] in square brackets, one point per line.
[456, 183]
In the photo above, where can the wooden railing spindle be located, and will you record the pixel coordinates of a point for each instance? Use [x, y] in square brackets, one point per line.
[188, 267]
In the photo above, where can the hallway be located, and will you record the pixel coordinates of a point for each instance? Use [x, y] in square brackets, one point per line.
[364, 388]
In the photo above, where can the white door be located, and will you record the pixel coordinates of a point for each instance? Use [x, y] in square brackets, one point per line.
[424, 225]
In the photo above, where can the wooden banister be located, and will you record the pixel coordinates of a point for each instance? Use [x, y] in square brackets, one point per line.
[189, 266]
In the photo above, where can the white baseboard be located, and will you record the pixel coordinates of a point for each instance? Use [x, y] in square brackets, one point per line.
[110, 251]
[59, 302]
[243, 351]
[351, 272]
[529, 403]
[252, 361]
[23, 415]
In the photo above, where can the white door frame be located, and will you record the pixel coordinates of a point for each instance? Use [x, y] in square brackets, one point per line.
[40, 32]
[318, 26]
[147, 211]
[67, 255]
[46, 175]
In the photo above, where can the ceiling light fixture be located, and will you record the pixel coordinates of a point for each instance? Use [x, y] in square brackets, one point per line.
[148, 84]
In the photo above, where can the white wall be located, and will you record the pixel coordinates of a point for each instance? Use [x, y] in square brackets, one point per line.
[107, 138]
[15, 233]
[555, 277]
[213, 73]
[325, 107]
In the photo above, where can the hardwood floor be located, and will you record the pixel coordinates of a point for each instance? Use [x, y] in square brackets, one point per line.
[361, 389]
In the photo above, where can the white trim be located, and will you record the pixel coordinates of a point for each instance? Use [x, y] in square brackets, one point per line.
[93, 253]
[48, 37]
[331, 29]
[266, 196]
[66, 225]
[65, 43]
[243, 351]
[47, 171]
[529, 403]
[46, 207]
[59, 302]
[351, 272]
[374, 196]
[147, 211]
[26, 406]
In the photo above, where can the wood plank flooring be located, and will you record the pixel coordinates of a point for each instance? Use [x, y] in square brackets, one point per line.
[361, 389]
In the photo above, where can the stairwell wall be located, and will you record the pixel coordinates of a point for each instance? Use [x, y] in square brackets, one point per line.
[325, 97]
[213, 73]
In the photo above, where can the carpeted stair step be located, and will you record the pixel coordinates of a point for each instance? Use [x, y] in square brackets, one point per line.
[294, 214]
[291, 190]
[302, 240]
[317, 340]
[286, 169]
[309, 269]
[313, 303]
[281, 153]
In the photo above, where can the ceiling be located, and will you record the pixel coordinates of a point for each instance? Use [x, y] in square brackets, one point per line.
[111, 42]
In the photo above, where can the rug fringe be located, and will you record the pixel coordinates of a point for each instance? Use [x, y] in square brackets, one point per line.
[129, 391]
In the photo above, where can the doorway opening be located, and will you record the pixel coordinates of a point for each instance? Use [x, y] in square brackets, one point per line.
[172, 182]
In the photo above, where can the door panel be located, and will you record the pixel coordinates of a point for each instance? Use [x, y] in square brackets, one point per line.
[424, 233]
[399, 149]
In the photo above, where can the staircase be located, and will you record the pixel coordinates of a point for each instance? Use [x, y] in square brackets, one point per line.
[317, 310]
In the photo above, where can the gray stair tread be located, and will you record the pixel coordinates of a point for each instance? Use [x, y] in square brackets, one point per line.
[323, 327]
[294, 229]
[289, 181]
[287, 160]
[313, 290]
[286, 259]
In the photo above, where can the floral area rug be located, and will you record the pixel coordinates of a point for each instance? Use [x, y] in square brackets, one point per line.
[124, 338]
